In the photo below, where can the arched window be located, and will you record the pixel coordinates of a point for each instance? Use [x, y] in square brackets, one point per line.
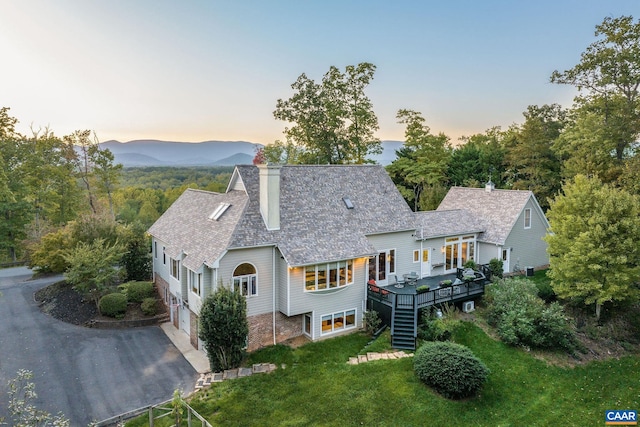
[245, 279]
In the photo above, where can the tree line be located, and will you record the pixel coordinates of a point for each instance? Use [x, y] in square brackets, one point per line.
[57, 194]
[333, 121]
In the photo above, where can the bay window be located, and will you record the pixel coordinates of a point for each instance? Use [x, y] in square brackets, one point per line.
[328, 276]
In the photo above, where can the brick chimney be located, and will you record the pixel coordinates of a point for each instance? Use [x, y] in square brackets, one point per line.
[270, 195]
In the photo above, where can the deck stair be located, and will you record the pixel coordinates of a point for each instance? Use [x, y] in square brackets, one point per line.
[404, 329]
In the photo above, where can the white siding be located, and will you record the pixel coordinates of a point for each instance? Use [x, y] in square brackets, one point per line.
[437, 256]
[529, 250]
[327, 301]
[404, 244]
[488, 251]
[282, 280]
[262, 259]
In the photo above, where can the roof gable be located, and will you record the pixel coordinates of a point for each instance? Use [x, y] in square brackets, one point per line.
[315, 223]
[498, 210]
[187, 227]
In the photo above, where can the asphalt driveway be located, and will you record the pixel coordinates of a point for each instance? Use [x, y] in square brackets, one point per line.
[87, 374]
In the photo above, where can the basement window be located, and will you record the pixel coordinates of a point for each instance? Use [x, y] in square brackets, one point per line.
[348, 203]
[222, 207]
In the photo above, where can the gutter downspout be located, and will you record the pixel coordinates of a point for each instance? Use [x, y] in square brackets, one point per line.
[273, 283]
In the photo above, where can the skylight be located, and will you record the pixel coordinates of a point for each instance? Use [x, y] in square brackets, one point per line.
[348, 203]
[222, 207]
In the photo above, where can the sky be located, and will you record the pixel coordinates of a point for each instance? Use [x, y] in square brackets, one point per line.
[213, 70]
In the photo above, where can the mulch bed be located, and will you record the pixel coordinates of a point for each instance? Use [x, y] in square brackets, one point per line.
[64, 303]
[61, 301]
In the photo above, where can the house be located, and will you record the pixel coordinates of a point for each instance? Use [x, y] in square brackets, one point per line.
[513, 225]
[301, 243]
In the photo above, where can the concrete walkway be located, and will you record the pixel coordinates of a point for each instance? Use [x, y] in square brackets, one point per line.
[181, 340]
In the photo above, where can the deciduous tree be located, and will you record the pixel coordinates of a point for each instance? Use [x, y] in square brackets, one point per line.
[480, 158]
[421, 163]
[530, 162]
[332, 121]
[92, 267]
[608, 77]
[593, 248]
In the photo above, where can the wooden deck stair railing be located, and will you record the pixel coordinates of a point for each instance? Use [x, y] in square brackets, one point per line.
[405, 307]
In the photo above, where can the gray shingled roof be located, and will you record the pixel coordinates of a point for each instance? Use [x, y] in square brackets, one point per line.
[498, 210]
[315, 225]
[441, 223]
[186, 227]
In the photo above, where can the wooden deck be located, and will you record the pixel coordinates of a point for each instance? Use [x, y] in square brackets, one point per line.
[408, 296]
[399, 305]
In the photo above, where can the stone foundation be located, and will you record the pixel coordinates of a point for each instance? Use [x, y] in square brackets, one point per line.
[193, 329]
[163, 288]
[261, 329]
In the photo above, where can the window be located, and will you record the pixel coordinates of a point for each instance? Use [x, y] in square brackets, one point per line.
[381, 265]
[416, 256]
[307, 324]
[338, 321]
[175, 268]
[527, 218]
[328, 276]
[195, 281]
[164, 256]
[217, 213]
[245, 279]
[458, 250]
[155, 249]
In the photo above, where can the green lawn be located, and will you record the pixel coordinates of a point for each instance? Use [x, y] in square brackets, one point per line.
[318, 388]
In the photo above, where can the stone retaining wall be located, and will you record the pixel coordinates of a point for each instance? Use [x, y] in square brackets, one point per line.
[261, 329]
[120, 324]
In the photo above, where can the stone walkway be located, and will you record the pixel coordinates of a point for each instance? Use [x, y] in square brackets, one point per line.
[216, 377]
[264, 368]
[363, 358]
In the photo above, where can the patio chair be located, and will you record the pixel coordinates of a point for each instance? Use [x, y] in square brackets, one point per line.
[393, 280]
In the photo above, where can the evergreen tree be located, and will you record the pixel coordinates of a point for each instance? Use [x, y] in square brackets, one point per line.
[224, 328]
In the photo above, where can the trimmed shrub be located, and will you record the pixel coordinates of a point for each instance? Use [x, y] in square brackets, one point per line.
[148, 306]
[371, 321]
[450, 369]
[137, 291]
[224, 328]
[470, 264]
[522, 318]
[113, 305]
[496, 266]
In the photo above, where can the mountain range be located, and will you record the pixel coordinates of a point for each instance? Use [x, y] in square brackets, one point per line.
[150, 152]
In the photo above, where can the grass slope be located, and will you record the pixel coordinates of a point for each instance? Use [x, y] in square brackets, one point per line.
[318, 388]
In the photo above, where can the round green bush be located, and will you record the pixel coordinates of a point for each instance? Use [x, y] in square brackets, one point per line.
[148, 306]
[113, 305]
[450, 369]
[137, 291]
